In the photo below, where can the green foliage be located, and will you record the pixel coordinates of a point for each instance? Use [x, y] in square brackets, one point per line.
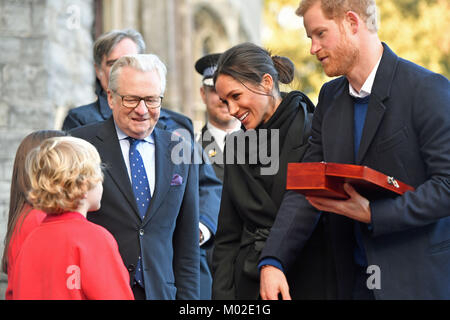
[417, 30]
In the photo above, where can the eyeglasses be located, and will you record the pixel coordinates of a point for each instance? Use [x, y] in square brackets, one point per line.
[133, 101]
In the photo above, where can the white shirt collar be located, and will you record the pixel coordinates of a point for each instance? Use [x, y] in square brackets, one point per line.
[219, 134]
[366, 88]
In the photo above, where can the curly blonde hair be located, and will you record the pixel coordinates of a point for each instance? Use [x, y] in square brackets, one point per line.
[61, 171]
[336, 9]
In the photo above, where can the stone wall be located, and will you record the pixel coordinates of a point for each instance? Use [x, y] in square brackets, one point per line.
[45, 68]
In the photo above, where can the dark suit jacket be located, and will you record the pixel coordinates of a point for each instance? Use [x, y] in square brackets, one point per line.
[210, 189]
[213, 152]
[168, 235]
[406, 135]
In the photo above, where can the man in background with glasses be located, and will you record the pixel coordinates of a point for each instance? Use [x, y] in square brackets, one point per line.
[149, 204]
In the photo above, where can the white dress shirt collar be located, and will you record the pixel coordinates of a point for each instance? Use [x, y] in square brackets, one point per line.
[366, 88]
[219, 134]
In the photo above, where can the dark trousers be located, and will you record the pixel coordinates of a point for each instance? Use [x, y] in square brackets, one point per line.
[138, 291]
[360, 290]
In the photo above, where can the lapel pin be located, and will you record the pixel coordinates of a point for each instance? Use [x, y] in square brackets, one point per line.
[212, 153]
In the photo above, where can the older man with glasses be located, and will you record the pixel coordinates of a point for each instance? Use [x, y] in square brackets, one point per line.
[150, 204]
[108, 48]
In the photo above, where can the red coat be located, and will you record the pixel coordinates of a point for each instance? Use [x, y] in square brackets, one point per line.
[23, 228]
[70, 258]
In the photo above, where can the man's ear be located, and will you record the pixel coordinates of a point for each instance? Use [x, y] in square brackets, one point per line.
[98, 72]
[109, 94]
[353, 20]
[203, 94]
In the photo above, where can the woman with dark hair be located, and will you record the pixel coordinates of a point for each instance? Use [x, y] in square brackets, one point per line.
[22, 218]
[246, 80]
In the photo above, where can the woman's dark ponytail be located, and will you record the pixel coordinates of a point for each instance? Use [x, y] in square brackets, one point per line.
[285, 68]
[247, 62]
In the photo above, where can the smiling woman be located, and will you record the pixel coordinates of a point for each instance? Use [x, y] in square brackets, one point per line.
[247, 81]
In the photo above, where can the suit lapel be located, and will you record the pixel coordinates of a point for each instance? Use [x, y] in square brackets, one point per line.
[380, 92]
[337, 128]
[112, 156]
[163, 171]
[375, 112]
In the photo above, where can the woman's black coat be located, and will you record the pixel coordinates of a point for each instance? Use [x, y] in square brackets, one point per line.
[249, 204]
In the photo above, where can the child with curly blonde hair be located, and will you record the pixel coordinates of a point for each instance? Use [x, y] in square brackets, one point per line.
[68, 257]
[22, 217]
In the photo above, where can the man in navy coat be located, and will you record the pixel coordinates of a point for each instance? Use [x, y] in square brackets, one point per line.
[393, 116]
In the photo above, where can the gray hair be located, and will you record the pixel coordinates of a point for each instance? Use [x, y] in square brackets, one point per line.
[140, 62]
[107, 42]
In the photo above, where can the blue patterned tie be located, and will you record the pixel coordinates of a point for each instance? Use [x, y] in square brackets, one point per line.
[142, 194]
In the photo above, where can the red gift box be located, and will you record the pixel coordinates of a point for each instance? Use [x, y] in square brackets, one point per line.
[324, 179]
